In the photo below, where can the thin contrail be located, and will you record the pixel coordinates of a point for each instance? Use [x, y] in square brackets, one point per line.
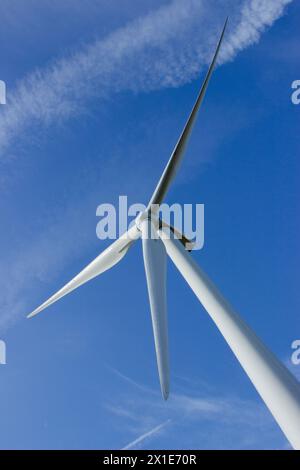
[127, 379]
[146, 435]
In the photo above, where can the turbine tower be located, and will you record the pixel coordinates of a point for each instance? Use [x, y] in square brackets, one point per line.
[276, 385]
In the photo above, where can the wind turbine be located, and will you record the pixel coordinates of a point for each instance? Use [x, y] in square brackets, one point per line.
[276, 385]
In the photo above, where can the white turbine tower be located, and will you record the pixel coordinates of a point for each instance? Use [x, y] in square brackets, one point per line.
[276, 385]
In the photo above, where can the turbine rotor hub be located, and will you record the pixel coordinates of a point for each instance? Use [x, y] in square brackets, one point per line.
[147, 215]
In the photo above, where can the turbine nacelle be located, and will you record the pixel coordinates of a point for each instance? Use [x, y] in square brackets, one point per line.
[151, 215]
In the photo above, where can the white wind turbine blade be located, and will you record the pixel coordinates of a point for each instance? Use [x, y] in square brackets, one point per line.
[106, 260]
[154, 254]
[172, 165]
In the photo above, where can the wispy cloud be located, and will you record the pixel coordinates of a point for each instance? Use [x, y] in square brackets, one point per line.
[232, 422]
[141, 439]
[35, 263]
[164, 48]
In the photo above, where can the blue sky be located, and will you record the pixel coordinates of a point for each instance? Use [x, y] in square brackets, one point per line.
[97, 94]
